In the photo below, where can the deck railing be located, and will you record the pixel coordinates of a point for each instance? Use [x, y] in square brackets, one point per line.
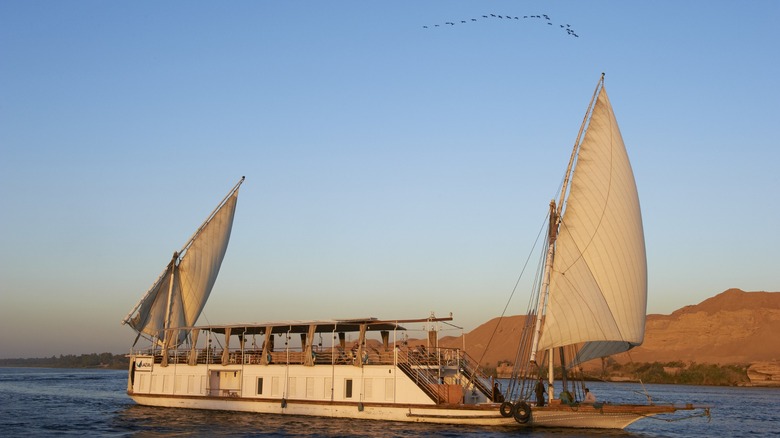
[292, 356]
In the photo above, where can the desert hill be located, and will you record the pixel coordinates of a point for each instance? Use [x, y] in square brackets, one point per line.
[729, 328]
[494, 341]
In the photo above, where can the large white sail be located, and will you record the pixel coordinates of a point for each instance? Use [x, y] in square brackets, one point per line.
[598, 284]
[179, 294]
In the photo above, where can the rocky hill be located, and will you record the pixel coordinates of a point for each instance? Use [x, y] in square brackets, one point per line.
[765, 373]
[492, 342]
[733, 327]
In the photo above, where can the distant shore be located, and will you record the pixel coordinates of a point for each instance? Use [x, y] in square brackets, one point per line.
[672, 373]
[93, 360]
[763, 374]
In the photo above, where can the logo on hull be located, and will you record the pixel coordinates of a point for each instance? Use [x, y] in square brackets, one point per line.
[143, 363]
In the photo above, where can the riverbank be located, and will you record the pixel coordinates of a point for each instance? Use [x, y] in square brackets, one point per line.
[93, 360]
[670, 373]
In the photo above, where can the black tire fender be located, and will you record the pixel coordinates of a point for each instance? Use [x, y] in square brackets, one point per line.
[522, 412]
[506, 409]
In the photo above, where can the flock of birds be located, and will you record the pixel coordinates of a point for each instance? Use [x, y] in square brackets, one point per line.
[542, 17]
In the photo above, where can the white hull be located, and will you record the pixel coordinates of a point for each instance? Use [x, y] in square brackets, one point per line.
[377, 392]
[484, 416]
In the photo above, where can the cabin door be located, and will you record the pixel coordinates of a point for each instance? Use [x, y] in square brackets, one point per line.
[214, 383]
[225, 383]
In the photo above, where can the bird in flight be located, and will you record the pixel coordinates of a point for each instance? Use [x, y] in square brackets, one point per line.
[543, 17]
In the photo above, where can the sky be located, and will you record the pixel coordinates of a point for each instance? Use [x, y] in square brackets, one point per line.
[392, 170]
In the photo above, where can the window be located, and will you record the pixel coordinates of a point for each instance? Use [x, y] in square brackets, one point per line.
[259, 385]
[348, 388]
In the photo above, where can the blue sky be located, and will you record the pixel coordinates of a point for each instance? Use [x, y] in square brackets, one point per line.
[392, 170]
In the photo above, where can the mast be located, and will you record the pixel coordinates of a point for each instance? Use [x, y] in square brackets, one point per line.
[545, 290]
[168, 307]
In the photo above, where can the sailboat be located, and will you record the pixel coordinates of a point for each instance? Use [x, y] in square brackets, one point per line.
[592, 299]
[177, 297]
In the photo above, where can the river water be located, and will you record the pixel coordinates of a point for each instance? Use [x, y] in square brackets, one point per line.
[61, 402]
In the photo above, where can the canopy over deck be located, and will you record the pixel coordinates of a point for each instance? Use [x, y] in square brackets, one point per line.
[321, 326]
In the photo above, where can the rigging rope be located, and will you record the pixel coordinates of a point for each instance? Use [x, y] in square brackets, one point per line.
[510, 389]
[514, 289]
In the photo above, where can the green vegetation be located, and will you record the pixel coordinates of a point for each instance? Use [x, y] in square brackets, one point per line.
[94, 360]
[677, 372]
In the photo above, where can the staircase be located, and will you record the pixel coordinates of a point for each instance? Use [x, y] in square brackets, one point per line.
[424, 370]
[424, 373]
[469, 368]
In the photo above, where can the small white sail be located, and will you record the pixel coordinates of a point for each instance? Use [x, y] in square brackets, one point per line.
[192, 271]
[598, 286]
